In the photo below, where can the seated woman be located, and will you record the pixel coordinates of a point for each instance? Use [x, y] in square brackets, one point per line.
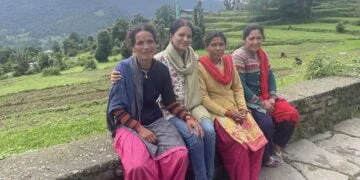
[181, 60]
[148, 145]
[239, 140]
[276, 117]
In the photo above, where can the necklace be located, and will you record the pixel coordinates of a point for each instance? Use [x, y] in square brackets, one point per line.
[144, 70]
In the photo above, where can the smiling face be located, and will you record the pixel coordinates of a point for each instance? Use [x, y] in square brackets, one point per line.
[145, 46]
[182, 38]
[253, 41]
[216, 48]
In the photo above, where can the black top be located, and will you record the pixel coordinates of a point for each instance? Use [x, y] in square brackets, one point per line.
[156, 82]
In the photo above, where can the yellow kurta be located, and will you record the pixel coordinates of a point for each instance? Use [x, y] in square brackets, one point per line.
[218, 98]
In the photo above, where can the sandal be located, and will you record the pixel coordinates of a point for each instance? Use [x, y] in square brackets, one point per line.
[274, 161]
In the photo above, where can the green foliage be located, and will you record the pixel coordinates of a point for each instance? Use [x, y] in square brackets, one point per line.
[340, 28]
[103, 49]
[124, 51]
[43, 61]
[138, 18]
[21, 66]
[165, 15]
[51, 71]
[323, 66]
[197, 41]
[118, 32]
[90, 65]
[229, 4]
[5, 53]
[56, 47]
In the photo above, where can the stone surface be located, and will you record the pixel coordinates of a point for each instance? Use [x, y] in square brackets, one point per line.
[319, 137]
[307, 152]
[315, 87]
[312, 172]
[351, 127]
[343, 145]
[66, 160]
[283, 172]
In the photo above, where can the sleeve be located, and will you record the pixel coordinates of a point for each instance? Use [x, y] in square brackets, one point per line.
[209, 104]
[238, 91]
[118, 103]
[240, 64]
[168, 96]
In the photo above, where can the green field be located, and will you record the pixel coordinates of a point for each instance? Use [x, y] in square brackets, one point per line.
[38, 112]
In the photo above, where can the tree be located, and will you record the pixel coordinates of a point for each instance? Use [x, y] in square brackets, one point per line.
[103, 49]
[56, 47]
[139, 18]
[197, 42]
[21, 65]
[295, 9]
[5, 53]
[166, 15]
[43, 61]
[229, 4]
[198, 14]
[118, 31]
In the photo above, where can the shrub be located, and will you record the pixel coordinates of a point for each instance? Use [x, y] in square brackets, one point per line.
[340, 28]
[323, 66]
[357, 22]
[90, 65]
[51, 71]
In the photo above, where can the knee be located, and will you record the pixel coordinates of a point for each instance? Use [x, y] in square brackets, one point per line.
[267, 126]
[208, 128]
[192, 140]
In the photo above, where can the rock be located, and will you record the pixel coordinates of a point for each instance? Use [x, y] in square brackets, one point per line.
[283, 172]
[350, 127]
[343, 145]
[320, 137]
[313, 172]
[307, 152]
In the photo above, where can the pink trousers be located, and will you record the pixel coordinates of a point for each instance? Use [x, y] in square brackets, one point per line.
[240, 163]
[138, 164]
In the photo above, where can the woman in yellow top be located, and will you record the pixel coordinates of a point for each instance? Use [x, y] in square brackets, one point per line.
[239, 140]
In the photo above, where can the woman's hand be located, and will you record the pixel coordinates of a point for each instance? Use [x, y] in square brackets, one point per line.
[268, 106]
[115, 76]
[238, 116]
[147, 135]
[192, 125]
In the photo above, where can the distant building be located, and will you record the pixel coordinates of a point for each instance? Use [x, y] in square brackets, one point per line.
[241, 4]
[188, 14]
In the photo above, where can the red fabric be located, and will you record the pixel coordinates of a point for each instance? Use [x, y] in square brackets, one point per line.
[264, 74]
[225, 78]
[240, 163]
[138, 164]
[283, 111]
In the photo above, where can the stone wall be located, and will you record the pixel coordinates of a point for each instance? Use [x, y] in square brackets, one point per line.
[321, 103]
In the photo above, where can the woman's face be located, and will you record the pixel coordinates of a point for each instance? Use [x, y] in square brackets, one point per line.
[145, 45]
[182, 38]
[216, 48]
[253, 40]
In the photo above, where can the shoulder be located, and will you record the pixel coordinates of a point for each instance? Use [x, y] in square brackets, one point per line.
[162, 68]
[123, 64]
[240, 55]
[161, 56]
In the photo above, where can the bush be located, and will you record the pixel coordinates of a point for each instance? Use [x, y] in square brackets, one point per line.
[340, 28]
[357, 22]
[323, 66]
[90, 65]
[124, 51]
[51, 71]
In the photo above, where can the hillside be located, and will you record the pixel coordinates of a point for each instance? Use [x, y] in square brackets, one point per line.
[26, 22]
